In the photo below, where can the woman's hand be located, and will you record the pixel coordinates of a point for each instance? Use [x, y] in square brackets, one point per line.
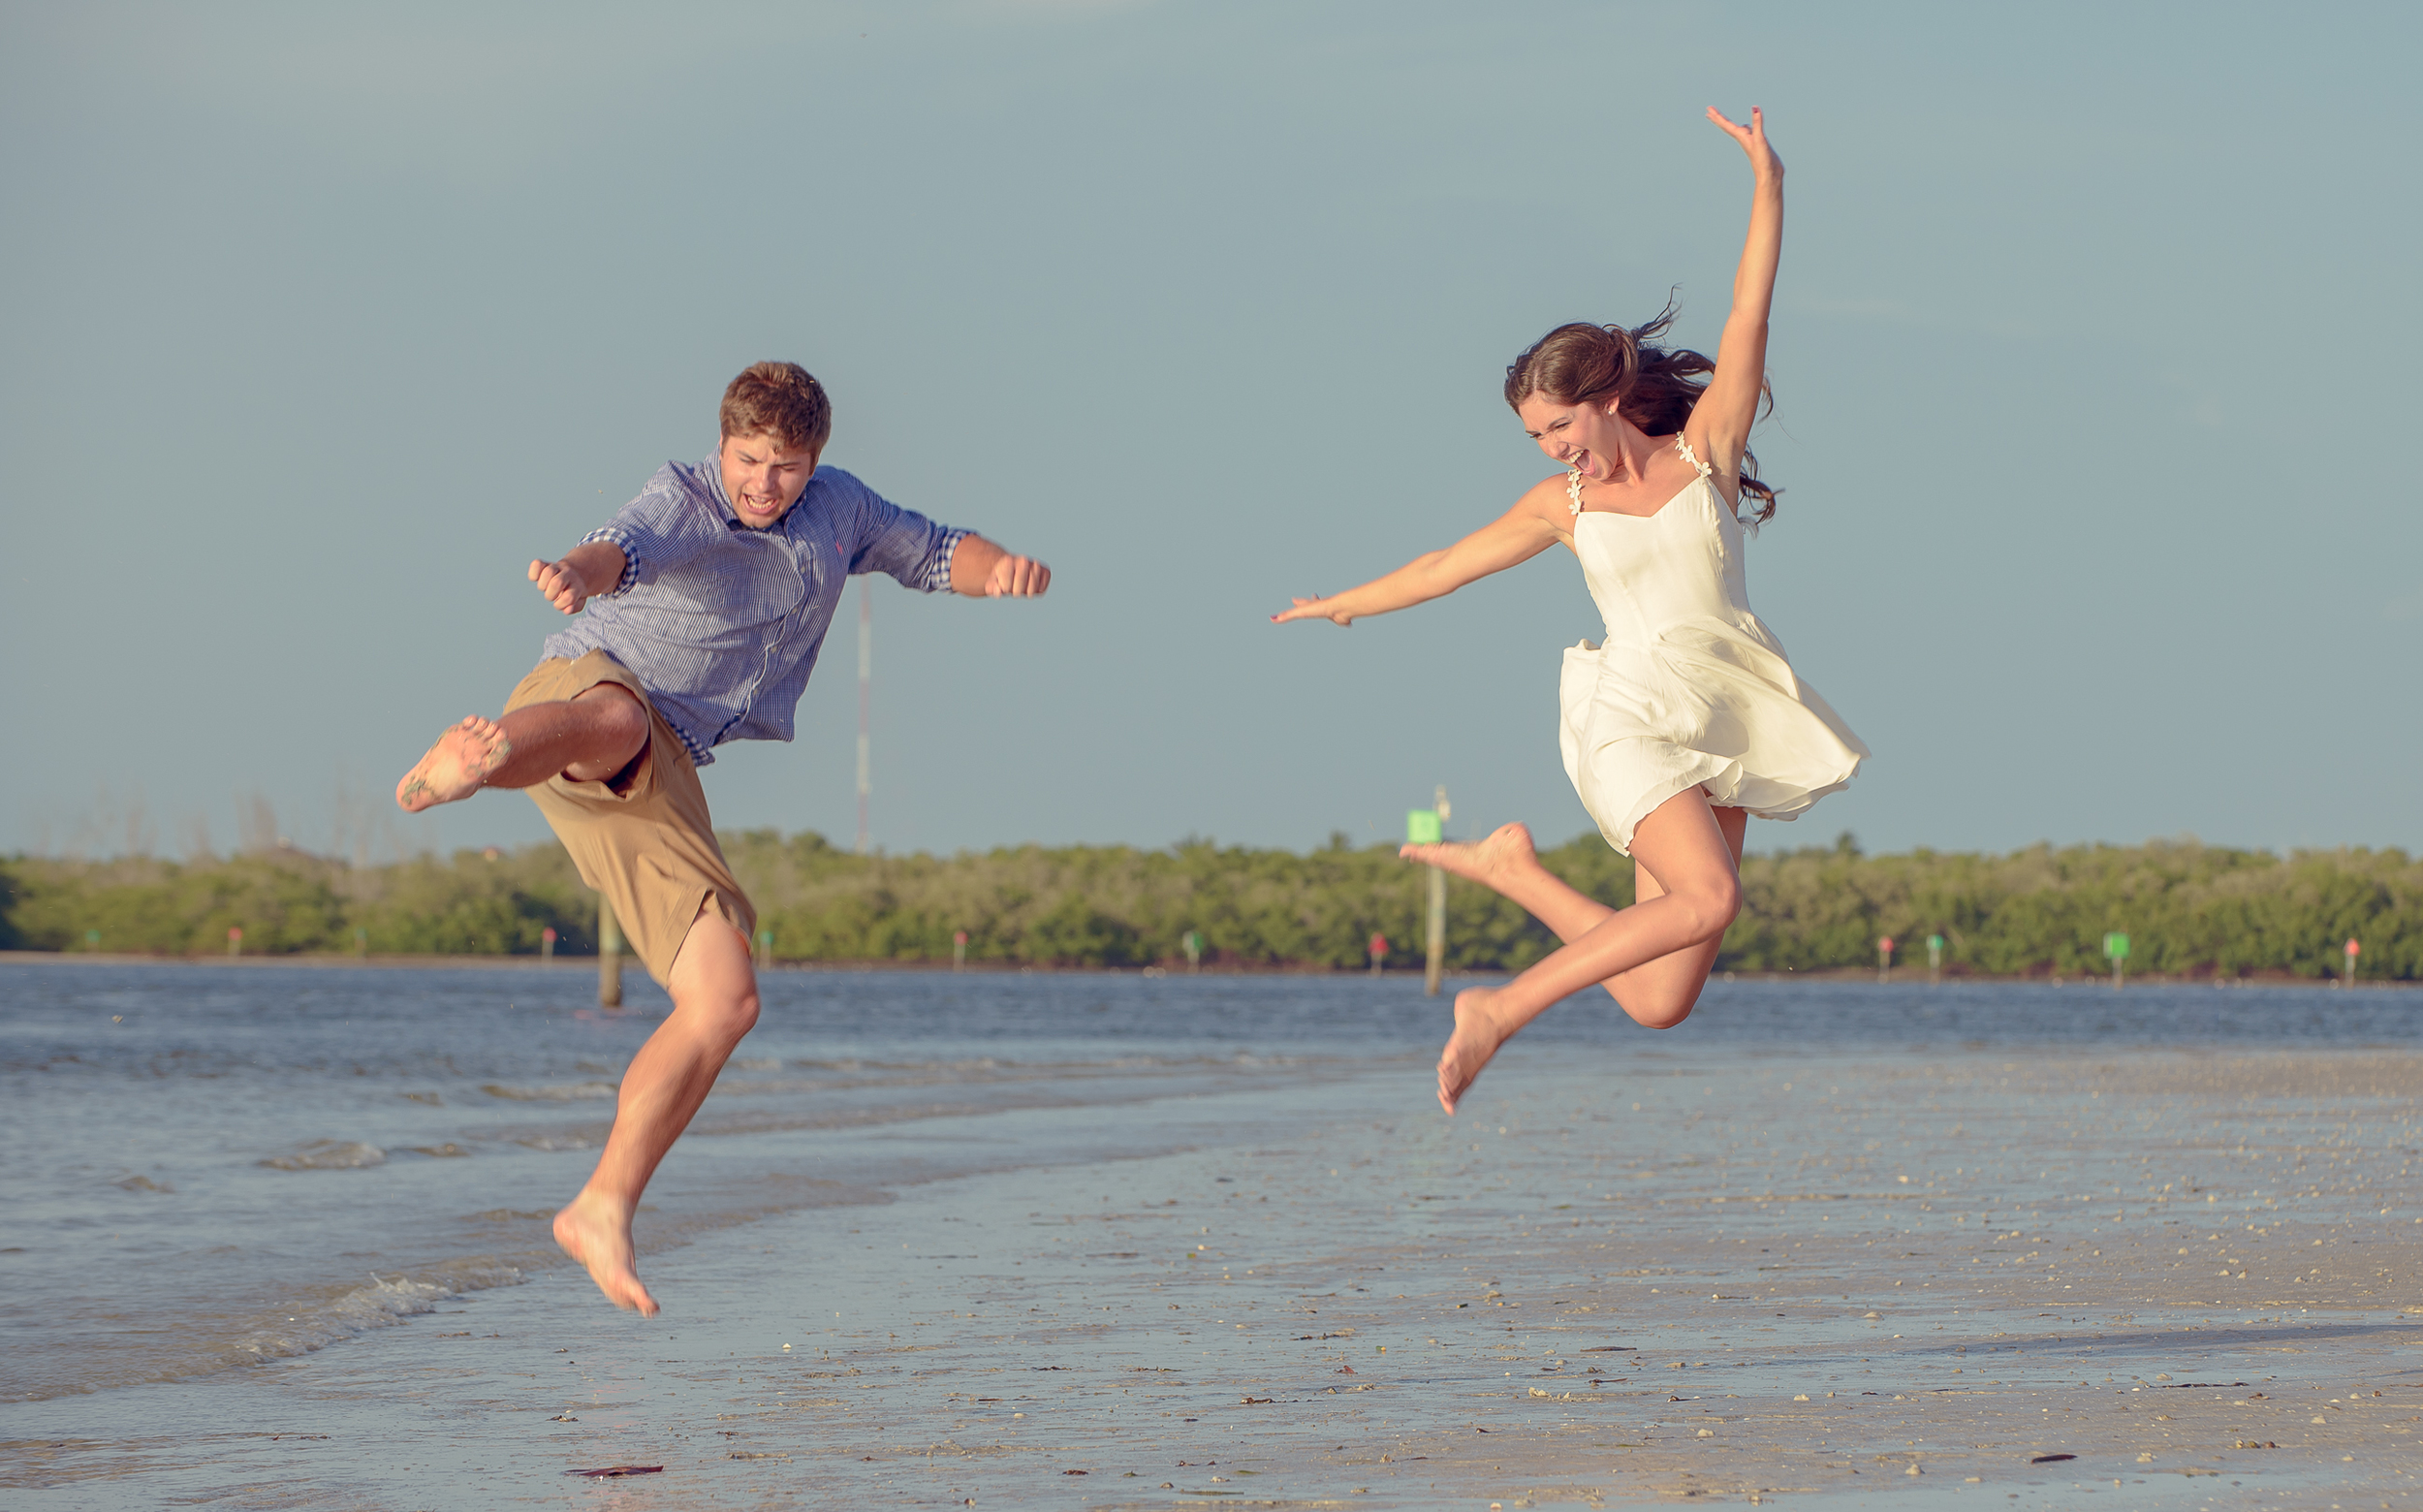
[1753, 139]
[1314, 609]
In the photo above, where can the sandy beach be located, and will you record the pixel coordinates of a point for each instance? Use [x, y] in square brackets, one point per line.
[1640, 1275]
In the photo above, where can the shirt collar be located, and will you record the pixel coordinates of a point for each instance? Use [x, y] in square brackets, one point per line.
[712, 470]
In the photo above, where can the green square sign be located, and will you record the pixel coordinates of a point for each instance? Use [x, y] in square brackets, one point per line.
[1421, 827]
[2116, 947]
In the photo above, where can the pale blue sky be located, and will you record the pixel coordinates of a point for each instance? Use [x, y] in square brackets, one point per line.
[2092, 354]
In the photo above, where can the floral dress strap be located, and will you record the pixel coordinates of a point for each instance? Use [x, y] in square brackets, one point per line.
[1691, 457]
[1573, 490]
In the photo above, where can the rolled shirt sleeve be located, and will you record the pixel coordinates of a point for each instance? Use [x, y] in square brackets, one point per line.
[669, 523]
[621, 539]
[914, 550]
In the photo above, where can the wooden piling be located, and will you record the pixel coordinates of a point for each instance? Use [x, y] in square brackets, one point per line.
[609, 955]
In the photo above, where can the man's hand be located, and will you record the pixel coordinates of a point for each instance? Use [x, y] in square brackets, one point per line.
[586, 571]
[1017, 576]
[980, 569]
[561, 585]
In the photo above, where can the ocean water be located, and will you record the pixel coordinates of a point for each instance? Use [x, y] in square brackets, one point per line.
[214, 1167]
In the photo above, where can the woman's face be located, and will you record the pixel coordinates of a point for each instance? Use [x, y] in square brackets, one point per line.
[1585, 436]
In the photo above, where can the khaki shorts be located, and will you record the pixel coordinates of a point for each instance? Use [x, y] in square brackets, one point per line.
[647, 842]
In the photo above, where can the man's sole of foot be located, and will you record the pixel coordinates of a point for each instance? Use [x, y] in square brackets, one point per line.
[454, 767]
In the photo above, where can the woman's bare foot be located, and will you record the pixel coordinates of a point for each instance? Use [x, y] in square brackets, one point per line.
[462, 759]
[596, 1232]
[1495, 863]
[1478, 1034]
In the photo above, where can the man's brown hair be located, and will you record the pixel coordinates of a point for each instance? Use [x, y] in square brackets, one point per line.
[781, 397]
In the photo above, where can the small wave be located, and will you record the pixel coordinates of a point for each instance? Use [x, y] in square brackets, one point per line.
[328, 1155]
[142, 1184]
[446, 1151]
[312, 1317]
[556, 1141]
[581, 1091]
[380, 1304]
[755, 1063]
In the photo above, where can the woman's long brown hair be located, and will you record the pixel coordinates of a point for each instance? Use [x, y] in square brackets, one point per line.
[1654, 386]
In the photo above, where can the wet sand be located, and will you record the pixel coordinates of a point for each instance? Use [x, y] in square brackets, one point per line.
[1631, 1275]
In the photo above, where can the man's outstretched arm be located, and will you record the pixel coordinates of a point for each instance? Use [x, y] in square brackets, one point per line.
[980, 569]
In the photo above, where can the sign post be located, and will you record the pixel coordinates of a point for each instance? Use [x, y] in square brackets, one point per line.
[1884, 958]
[764, 949]
[235, 939]
[2116, 946]
[2349, 980]
[1429, 826]
[959, 950]
[1194, 949]
[1380, 951]
[609, 955]
[546, 942]
[1935, 960]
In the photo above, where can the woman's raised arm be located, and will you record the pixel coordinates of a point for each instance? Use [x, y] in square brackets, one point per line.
[1719, 428]
[1515, 537]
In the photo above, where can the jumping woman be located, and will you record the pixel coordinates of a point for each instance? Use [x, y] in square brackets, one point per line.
[1688, 718]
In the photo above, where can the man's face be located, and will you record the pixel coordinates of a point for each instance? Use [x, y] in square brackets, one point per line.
[763, 478]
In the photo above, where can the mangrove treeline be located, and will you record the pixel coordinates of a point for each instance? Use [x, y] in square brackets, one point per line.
[2191, 910]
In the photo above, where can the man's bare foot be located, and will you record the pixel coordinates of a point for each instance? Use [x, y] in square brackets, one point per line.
[462, 759]
[1478, 1034]
[596, 1232]
[1507, 853]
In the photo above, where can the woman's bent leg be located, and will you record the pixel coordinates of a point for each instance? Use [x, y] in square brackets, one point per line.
[1688, 850]
[1660, 994]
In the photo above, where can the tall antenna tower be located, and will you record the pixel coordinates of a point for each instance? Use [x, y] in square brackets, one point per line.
[865, 700]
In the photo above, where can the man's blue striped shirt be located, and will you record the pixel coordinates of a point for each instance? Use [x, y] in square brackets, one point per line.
[722, 623]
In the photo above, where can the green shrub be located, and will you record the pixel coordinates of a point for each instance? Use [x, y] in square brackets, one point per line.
[2190, 909]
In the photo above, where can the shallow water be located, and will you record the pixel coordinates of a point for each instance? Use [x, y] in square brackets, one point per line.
[214, 1166]
[220, 1167]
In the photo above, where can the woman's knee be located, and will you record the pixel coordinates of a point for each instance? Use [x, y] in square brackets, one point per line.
[1715, 905]
[1665, 1013]
[1659, 1006]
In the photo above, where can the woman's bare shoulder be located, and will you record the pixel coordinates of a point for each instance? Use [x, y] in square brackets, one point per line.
[1547, 505]
[1547, 500]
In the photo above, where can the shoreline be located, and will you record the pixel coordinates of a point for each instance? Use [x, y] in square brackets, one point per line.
[1863, 974]
[1622, 1276]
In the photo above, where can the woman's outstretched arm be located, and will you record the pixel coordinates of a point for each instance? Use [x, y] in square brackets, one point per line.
[1719, 428]
[1515, 537]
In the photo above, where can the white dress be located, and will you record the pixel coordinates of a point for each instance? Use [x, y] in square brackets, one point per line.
[1688, 689]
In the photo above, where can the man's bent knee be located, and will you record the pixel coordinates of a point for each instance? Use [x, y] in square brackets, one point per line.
[724, 1019]
[712, 980]
[619, 730]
